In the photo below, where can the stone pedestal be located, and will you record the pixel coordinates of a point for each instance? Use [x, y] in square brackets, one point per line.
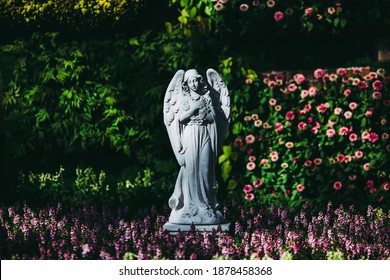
[174, 228]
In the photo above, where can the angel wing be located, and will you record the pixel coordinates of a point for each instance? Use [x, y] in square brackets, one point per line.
[172, 103]
[221, 102]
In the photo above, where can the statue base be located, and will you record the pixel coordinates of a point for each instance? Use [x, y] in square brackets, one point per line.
[174, 228]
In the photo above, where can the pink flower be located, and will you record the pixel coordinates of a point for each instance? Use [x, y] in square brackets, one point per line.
[300, 188]
[307, 107]
[252, 158]
[366, 166]
[373, 137]
[377, 95]
[359, 154]
[386, 186]
[325, 78]
[247, 188]
[333, 77]
[218, 7]
[338, 110]
[258, 183]
[314, 130]
[343, 131]
[289, 145]
[309, 13]
[248, 81]
[299, 78]
[274, 158]
[322, 108]
[250, 139]
[352, 177]
[347, 92]
[302, 126]
[348, 114]
[250, 165]
[363, 84]
[290, 115]
[272, 84]
[377, 85]
[264, 162]
[352, 105]
[353, 137]
[369, 113]
[255, 3]
[249, 151]
[249, 196]
[307, 163]
[357, 70]
[355, 81]
[330, 132]
[340, 158]
[319, 72]
[270, 3]
[365, 135]
[337, 185]
[331, 10]
[247, 118]
[385, 136]
[278, 16]
[370, 183]
[341, 71]
[238, 142]
[317, 161]
[244, 7]
[272, 101]
[278, 126]
[372, 190]
[312, 91]
[383, 121]
[304, 93]
[292, 87]
[255, 116]
[258, 123]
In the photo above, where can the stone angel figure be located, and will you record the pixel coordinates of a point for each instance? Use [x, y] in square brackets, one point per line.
[196, 115]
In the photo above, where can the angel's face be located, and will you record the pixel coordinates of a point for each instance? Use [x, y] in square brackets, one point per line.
[196, 84]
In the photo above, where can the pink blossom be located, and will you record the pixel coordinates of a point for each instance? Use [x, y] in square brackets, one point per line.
[317, 161]
[249, 196]
[250, 166]
[270, 3]
[386, 186]
[322, 108]
[357, 70]
[353, 137]
[244, 7]
[348, 114]
[309, 13]
[383, 121]
[337, 185]
[352, 105]
[272, 101]
[307, 163]
[290, 115]
[370, 183]
[307, 107]
[247, 188]
[238, 142]
[341, 71]
[252, 158]
[249, 151]
[343, 130]
[363, 84]
[272, 84]
[340, 158]
[330, 132]
[380, 71]
[333, 77]
[312, 91]
[278, 126]
[248, 81]
[299, 78]
[359, 154]
[377, 85]
[292, 87]
[264, 161]
[368, 113]
[300, 188]
[304, 93]
[250, 139]
[372, 190]
[258, 123]
[279, 77]
[314, 130]
[373, 137]
[377, 95]
[331, 10]
[302, 126]
[218, 7]
[325, 78]
[247, 118]
[365, 135]
[278, 16]
[255, 3]
[289, 145]
[385, 136]
[258, 183]
[352, 177]
[309, 120]
[366, 166]
[347, 92]
[338, 110]
[255, 116]
[274, 158]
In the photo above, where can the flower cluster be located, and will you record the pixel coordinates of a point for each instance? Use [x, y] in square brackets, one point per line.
[319, 15]
[91, 232]
[326, 138]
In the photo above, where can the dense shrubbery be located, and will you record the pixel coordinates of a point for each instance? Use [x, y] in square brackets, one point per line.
[91, 232]
[322, 139]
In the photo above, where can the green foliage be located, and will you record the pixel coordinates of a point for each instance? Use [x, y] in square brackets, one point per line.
[61, 96]
[337, 255]
[87, 185]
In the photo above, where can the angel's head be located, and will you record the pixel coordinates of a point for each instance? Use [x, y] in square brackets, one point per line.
[194, 82]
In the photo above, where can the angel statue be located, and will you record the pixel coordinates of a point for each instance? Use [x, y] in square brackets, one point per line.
[196, 115]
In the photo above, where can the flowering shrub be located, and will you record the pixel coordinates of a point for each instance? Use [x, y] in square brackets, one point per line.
[93, 232]
[323, 139]
[262, 14]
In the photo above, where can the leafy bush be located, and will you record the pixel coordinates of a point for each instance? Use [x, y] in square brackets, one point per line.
[63, 96]
[72, 13]
[87, 185]
[296, 140]
[91, 232]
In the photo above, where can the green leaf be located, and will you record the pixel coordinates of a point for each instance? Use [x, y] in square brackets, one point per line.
[232, 184]
[134, 42]
[237, 128]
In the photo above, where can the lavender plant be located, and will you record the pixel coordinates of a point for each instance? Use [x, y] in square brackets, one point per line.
[91, 232]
